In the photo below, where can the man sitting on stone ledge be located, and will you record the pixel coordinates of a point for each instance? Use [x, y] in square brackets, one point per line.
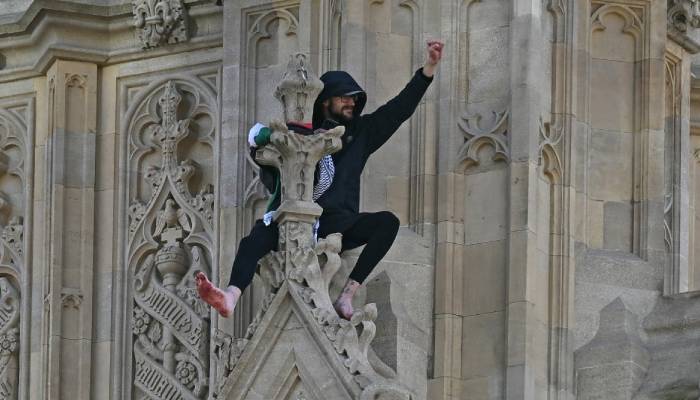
[337, 187]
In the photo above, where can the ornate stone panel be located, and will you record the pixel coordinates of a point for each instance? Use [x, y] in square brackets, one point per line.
[171, 126]
[13, 181]
[9, 339]
[16, 124]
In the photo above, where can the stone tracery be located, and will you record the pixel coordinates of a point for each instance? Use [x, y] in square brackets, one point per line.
[170, 241]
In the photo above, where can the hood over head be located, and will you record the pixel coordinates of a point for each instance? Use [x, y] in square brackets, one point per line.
[338, 83]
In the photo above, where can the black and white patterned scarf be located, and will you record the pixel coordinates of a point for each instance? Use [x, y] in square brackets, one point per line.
[325, 176]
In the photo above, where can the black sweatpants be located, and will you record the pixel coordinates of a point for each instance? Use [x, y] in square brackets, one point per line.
[375, 230]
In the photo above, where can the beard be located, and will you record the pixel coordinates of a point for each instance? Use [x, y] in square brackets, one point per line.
[341, 115]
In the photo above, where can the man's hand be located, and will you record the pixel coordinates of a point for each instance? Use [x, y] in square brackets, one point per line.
[434, 54]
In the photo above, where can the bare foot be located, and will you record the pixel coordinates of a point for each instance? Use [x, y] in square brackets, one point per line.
[224, 301]
[344, 308]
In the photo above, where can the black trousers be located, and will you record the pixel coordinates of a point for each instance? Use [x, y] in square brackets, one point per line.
[375, 230]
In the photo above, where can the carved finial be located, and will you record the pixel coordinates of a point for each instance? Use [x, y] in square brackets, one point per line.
[169, 101]
[682, 16]
[170, 131]
[298, 89]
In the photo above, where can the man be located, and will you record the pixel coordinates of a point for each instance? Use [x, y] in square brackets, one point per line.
[341, 103]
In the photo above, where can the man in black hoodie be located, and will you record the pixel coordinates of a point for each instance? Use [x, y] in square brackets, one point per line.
[341, 103]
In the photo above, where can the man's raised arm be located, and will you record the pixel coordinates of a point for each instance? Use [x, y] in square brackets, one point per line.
[383, 122]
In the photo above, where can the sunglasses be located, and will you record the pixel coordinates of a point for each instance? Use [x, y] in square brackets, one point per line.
[347, 99]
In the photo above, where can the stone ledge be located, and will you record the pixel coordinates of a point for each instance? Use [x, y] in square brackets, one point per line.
[99, 34]
[20, 22]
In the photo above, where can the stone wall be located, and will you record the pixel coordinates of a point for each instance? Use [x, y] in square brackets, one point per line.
[546, 188]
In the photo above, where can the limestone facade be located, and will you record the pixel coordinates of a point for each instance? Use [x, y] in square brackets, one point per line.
[548, 188]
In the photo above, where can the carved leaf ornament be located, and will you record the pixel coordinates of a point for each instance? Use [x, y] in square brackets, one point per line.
[159, 22]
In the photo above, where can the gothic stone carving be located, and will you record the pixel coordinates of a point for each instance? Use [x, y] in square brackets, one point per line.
[171, 233]
[298, 90]
[476, 136]
[169, 324]
[308, 275]
[13, 150]
[9, 339]
[550, 148]
[683, 15]
[160, 21]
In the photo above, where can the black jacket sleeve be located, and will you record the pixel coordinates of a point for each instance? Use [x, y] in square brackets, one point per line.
[382, 123]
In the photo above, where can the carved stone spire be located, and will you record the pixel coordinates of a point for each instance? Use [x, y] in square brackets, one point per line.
[296, 155]
[298, 89]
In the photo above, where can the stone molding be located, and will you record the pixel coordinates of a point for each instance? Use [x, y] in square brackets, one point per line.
[30, 44]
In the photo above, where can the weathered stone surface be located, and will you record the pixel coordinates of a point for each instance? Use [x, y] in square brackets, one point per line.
[547, 188]
[673, 330]
[613, 364]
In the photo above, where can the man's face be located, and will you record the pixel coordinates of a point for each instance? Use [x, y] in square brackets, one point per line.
[340, 108]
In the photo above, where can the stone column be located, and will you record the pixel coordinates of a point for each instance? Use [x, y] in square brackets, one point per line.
[70, 200]
[296, 156]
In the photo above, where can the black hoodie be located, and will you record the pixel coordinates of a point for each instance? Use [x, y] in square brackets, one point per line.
[364, 135]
